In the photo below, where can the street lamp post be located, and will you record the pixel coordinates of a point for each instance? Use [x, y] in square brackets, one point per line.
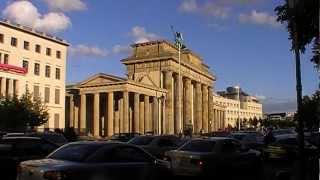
[238, 93]
[294, 10]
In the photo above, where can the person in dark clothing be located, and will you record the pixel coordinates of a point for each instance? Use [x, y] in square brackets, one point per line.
[269, 137]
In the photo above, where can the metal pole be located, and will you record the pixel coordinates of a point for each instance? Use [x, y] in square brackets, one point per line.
[239, 123]
[299, 104]
[179, 89]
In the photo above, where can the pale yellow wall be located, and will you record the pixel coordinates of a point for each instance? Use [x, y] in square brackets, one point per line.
[18, 54]
[247, 111]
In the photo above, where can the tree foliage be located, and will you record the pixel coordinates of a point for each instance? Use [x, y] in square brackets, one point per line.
[17, 114]
[310, 112]
[306, 17]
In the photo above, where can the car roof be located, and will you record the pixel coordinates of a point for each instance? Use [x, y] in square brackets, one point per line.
[20, 137]
[219, 138]
[99, 142]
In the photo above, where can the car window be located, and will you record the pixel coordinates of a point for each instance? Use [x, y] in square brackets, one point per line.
[199, 146]
[126, 154]
[142, 140]
[166, 143]
[75, 152]
[230, 146]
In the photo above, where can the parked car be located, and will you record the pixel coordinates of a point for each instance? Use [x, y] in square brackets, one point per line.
[123, 137]
[52, 137]
[95, 160]
[252, 140]
[217, 134]
[279, 132]
[286, 148]
[157, 145]
[13, 150]
[14, 135]
[215, 157]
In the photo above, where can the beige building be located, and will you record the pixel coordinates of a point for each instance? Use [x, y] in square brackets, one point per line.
[35, 61]
[148, 99]
[248, 107]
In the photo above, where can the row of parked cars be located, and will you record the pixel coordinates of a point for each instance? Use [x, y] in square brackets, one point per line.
[138, 156]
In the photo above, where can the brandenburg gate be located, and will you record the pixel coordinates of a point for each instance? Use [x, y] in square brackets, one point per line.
[147, 100]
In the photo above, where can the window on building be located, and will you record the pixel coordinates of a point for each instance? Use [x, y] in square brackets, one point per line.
[26, 45]
[48, 51]
[14, 42]
[58, 54]
[6, 59]
[38, 48]
[57, 73]
[1, 38]
[57, 96]
[46, 94]
[37, 69]
[47, 74]
[25, 64]
[36, 92]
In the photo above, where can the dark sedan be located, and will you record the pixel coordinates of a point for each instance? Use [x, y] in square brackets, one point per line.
[252, 140]
[215, 157]
[157, 145]
[13, 150]
[89, 160]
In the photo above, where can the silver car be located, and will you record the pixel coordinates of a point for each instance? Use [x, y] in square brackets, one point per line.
[95, 161]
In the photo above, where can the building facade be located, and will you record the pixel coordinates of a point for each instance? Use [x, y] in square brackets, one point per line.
[34, 61]
[238, 105]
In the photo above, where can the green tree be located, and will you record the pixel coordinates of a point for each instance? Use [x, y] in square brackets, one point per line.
[307, 20]
[17, 114]
[310, 112]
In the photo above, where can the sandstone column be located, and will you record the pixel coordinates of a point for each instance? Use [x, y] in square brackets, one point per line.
[155, 117]
[76, 112]
[169, 122]
[119, 124]
[3, 86]
[125, 111]
[198, 108]
[205, 99]
[16, 88]
[188, 101]
[83, 115]
[136, 112]
[141, 117]
[96, 115]
[210, 108]
[71, 114]
[110, 112]
[10, 88]
[177, 104]
[147, 113]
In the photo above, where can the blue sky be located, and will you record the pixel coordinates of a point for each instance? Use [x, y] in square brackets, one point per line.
[238, 39]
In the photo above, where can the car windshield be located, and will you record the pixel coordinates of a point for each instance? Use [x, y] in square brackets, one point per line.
[75, 152]
[142, 141]
[238, 136]
[199, 146]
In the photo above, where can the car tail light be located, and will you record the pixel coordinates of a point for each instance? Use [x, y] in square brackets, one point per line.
[54, 175]
[197, 162]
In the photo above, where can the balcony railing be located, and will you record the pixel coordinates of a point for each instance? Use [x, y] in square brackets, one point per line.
[14, 69]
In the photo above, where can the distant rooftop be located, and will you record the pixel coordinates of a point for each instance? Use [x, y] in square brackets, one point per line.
[33, 31]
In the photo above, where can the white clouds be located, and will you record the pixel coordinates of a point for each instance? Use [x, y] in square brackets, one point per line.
[214, 8]
[120, 49]
[260, 18]
[140, 35]
[89, 51]
[53, 22]
[261, 97]
[24, 12]
[66, 5]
